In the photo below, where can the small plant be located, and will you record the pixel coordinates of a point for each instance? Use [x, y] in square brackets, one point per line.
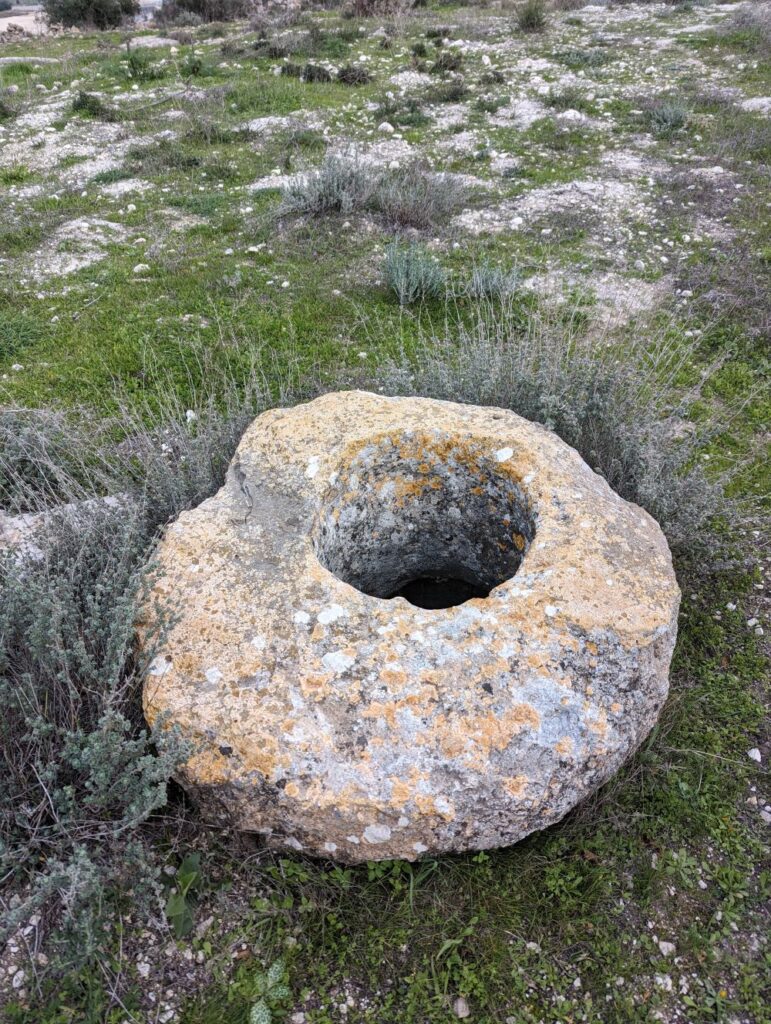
[140, 67]
[193, 66]
[446, 62]
[488, 282]
[342, 184]
[413, 197]
[568, 98]
[316, 73]
[404, 111]
[412, 274]
[178, 906]
[353, 74]
[291, 70]
[266, 992]
[531, 16]
[419, 50]
[90, 105]
[454, 91]
[576, 59]
[668, 117]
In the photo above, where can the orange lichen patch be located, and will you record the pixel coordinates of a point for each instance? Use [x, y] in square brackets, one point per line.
[291, 789]
[315, 687]
[600, 724]
[616, 708]
[208, 767]
[516, 785]
[400, 792]
[564, 747]
[385, 710]
[394, 678]
[519, 542]
[427, 804]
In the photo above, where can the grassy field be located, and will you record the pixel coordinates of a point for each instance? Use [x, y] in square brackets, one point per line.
[181, 219]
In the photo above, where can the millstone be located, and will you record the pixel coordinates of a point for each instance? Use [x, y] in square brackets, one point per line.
[407, 627]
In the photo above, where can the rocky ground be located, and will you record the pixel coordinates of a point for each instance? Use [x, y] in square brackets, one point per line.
[618, 163]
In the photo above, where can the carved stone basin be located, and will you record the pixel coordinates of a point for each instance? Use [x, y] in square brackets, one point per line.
[408, 627]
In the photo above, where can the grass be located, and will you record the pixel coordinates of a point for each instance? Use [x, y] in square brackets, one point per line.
[567, 925]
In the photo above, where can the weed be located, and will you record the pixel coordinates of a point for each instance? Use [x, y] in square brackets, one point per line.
[412, 196]
[342, 184]
[531, 16]
[412, 274]
[454, 91]
[316, 73]
[408, 196]
[447, 61]
[493, 283]
[353, 74]
[667, 117]
[91, 105]
[624, 417]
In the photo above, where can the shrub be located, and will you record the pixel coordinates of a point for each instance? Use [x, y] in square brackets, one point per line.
[5, 5]
[568, 98]
[531, 16]
[404, 111]
[203, 10]
[413, 197]
[412, 274]
[342, 184]
[316, 73]
[140, 67]
[750, 29]
[454, 91]
[92, 106]
[101, 14]
[353, 74]
[622, 407]
[668, 117]
[488, 282]
[7, 110]
[576, 59]
[447, 61]
[291, 70]
[408, 196]
[79, 771]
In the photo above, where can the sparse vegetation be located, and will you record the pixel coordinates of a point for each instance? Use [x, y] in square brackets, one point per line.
[413, 275]
[90, 105]
[409, 196]
[531, 16]
[353, 74]
[667, 117]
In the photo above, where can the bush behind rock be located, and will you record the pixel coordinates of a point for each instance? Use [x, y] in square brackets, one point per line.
[101, 14]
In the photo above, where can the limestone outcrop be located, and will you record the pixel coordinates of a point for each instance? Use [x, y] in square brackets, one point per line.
[405, 627]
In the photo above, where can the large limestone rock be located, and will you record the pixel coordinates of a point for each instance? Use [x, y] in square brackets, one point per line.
[339, 719]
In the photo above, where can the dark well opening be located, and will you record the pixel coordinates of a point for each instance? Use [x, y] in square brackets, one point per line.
[434, 519]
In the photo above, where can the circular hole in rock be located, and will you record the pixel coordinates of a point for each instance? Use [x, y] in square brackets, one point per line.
[427, 517]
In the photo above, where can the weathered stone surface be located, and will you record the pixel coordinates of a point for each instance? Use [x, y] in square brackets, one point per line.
[337, 719]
